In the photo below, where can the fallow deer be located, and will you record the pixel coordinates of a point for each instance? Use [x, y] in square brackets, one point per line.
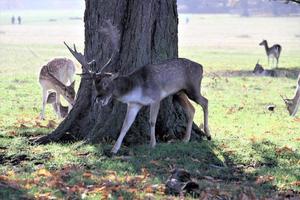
[55, 75]
[273, 51]
[52, 100]
[148, 85]
[292, 105]
[260, 71]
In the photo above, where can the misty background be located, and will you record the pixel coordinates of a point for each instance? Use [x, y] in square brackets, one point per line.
[242, 7]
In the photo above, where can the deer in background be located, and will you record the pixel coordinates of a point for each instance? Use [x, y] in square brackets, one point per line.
[292, 105]
[57, 75]
[52, 100]
[273, 51]
[149, 85]
[260, 71]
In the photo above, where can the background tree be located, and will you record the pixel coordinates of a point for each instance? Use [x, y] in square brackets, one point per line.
[148, 32]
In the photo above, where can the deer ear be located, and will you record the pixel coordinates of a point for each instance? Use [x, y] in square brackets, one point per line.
[72, 84]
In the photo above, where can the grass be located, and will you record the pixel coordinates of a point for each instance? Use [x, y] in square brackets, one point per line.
[253, 151]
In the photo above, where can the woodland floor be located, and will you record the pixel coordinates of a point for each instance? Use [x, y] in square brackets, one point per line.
[254, 152]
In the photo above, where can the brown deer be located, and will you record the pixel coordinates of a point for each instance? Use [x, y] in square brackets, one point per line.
[292, 105]
[52, 100]
[148, 85]
[273, 51]
[55, 75]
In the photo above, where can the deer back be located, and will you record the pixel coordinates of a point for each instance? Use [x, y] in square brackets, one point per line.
[151, 83]
[61, 68]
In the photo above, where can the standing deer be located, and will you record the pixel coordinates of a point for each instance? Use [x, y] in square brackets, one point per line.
[149, 85]
[274, 52]
[292, 105]
[51, 99]
[55, 75]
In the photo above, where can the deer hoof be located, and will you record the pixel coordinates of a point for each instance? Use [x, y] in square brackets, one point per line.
[42, 117]
[114, 151]
[186, 140]
[152, 145]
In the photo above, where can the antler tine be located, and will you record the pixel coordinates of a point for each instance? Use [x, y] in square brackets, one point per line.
[75, 48]
[284, 98]
[102, 68]
[79, 57]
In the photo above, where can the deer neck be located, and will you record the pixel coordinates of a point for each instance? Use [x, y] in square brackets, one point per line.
[293, 104]
[121, 86]
[59, 86]
[267, 48]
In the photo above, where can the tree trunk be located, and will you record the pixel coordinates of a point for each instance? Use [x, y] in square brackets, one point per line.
[148, 35]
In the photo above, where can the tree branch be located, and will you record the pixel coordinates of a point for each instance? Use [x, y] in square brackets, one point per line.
[288, 1]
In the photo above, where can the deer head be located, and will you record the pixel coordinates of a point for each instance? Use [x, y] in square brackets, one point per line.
[69, 93]
[264, 42]
[103, 82]
[258, 69]
[290, 105]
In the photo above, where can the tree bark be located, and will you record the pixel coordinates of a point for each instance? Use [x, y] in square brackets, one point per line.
[148, 32]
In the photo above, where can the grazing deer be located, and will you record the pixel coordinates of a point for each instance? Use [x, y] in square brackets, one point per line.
[292, 105]
[274, 52]
[52, 100]
[149, 85]
[55, 75]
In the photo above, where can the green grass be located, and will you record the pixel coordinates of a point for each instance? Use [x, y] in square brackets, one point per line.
[252, 148]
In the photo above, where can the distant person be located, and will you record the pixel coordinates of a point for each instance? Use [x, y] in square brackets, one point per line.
[187, 20]
[13, 19]
[19, 20]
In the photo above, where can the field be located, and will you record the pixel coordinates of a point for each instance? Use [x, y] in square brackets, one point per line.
[254, 151]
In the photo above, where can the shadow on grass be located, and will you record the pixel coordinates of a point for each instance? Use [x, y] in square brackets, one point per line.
[210, 165]
[9, 190]
[291, 73]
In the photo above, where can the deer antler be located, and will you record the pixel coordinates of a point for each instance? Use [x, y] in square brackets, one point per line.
[81, 59]
[113, 33]
[285, 99]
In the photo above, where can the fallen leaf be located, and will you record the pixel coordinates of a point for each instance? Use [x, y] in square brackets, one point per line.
[297, 119]
[284, 149]
[43, 172]
[296, 183]
[87, 175]
[155, 162]
[264, 179]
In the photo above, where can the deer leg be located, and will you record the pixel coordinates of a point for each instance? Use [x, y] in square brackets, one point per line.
[58, 106]
[154, 108]
[45, 95]
[204, 104]
[190, 112]
[277, 60]
[132, 110]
